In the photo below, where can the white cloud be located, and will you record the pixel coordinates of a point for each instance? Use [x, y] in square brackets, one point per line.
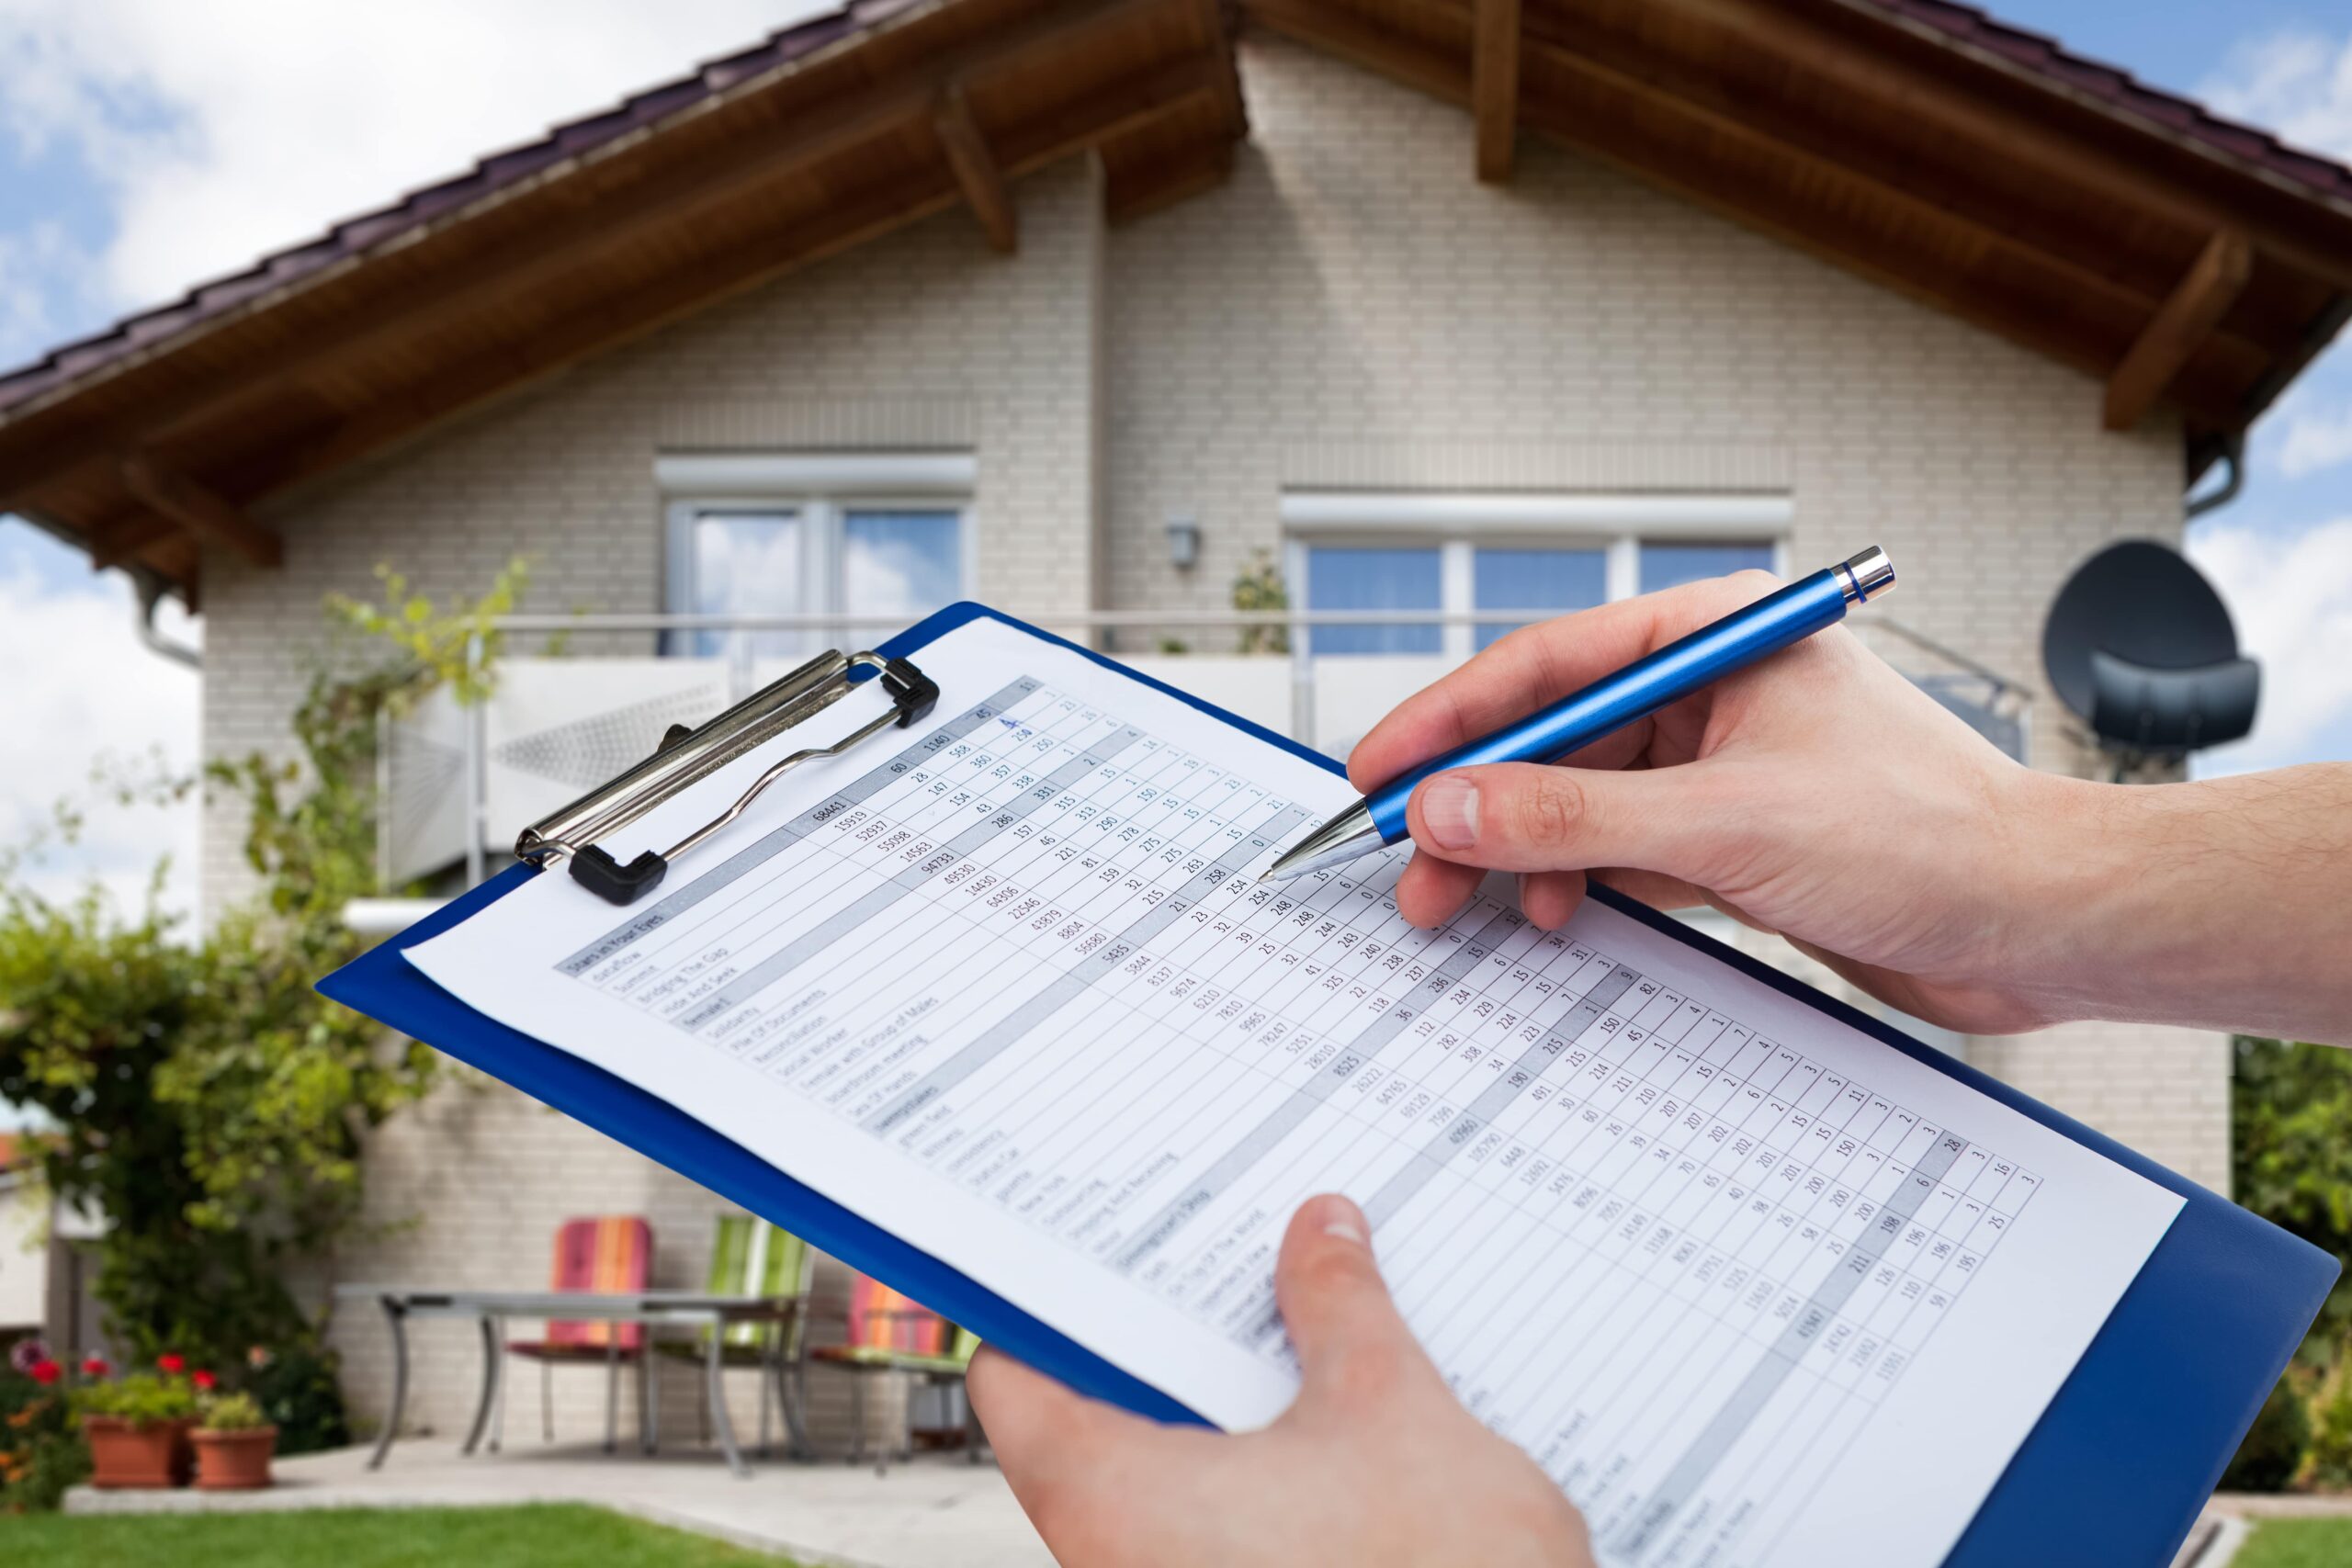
[81, 691]
[2315, 439]
[230, 128]
[2291, 597]
[2296, 82]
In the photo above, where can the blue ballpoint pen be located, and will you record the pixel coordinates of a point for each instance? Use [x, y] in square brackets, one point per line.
[1643, 687]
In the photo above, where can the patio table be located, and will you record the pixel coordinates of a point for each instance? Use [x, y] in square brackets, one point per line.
[490, 1308]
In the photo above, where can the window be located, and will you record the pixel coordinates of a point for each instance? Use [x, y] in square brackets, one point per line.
[1530, 555]
[1347, 577]
[1669, 565]
[1550, 581]
[883, 539]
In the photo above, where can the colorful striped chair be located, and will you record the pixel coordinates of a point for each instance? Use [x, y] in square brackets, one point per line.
[891, 1332]
[611, 1253]
[751, 1258]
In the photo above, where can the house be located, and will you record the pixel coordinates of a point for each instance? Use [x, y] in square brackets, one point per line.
[24, 1240]
[1083, 307]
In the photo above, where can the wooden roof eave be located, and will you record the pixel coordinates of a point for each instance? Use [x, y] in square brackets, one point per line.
[124, 524]
[2219, 379]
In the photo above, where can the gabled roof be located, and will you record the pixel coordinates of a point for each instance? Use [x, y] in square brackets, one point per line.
[1982, 169]
[1970, 29]
[353, 236]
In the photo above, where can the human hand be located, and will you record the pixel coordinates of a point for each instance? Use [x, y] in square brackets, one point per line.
[1376, 1465]
[1818, 794]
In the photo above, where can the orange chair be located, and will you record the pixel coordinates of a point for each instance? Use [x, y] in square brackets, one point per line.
[610, 1253]
[891, 1332]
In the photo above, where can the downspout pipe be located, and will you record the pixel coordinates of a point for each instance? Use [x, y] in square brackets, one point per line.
[151, 589]
[2233, 453]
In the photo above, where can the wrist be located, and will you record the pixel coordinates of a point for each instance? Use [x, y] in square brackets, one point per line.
[2073, 881]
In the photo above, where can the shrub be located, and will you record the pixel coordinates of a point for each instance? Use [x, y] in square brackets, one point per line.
[230, 1413]
[2273, 1450]
[142, 1399]
[297, 1389]
[2329, 1458]
[41, 1451]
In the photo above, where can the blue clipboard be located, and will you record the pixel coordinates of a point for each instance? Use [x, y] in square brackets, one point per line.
[2113, 1475]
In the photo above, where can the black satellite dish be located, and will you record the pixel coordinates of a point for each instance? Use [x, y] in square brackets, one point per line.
[2142, 649]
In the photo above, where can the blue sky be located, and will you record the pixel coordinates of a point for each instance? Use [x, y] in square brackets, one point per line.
[145, 144]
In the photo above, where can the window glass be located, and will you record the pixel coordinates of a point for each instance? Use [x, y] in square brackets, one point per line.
[747, 563]
[1344, 579]
[1664, 566]
[900, 565]
[1553, 581]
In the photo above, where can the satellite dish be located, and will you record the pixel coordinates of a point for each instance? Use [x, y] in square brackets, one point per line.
[2142, 649]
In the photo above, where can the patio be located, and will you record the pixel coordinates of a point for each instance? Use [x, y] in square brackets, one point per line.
[937, 1511]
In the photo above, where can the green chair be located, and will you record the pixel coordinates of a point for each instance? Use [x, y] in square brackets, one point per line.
[751, 1258]
[889, 1332]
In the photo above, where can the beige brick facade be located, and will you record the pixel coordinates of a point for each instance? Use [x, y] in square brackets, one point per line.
[1352, 309]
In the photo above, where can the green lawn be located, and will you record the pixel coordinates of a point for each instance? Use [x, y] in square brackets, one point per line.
[2296, 1543]
[540, 1536]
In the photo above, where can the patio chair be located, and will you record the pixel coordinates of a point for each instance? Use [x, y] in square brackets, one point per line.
[751, 1258]
[611, 1252]
[889, 1332]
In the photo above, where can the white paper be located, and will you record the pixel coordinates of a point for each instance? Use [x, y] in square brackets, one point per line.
[1755, 1287]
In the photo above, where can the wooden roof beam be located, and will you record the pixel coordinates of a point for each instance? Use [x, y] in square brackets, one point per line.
[1143, 99]
[976, 169]
[125, 539]
[1585, 122]
[1935, 97]
[1493, 84]
[201, 512]
[2178, 329]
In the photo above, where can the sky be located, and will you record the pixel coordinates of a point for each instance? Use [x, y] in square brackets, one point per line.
[148, 144]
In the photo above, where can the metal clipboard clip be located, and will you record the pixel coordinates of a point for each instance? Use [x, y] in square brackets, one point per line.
[689, 755]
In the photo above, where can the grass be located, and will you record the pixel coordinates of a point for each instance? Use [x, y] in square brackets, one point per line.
[566, 1535]
[2296, 1543]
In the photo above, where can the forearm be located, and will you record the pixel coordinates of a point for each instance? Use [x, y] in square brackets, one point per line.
[2224, 904]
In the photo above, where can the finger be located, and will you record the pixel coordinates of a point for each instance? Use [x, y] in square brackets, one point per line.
[1526, 817]
[1352, 1347]
[1047, 1437]
[1430, 890]
[1549, 897]
[1540, 664]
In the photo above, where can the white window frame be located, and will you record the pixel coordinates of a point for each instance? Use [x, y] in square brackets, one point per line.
[820, 488]
[1456, 523]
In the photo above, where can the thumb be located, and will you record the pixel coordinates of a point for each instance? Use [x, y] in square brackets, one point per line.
[1526, 817]
[1351, 1343]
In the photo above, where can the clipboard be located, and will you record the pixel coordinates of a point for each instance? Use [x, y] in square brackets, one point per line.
[2113, 1475]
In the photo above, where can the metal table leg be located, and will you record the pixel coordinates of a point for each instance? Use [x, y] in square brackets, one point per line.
[612, 1389]
[396, 1317]
[490, 1357]
[716, 1357]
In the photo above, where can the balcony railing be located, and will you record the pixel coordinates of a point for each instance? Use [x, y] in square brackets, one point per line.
[459, 784]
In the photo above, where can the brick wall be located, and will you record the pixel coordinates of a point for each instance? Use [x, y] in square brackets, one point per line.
[923, 340]
[1352, 309]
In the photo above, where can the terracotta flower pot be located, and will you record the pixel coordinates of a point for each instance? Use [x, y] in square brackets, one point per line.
[126, 1456]
[234, 1462]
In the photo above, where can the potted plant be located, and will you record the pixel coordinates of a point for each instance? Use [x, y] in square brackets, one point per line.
[137, 1429]
[234, 1442]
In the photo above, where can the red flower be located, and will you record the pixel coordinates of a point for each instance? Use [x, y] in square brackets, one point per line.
[96, 1367]
[171, 1363]
[204, 1381]
[45, 1372]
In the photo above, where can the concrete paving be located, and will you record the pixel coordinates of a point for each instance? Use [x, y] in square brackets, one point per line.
[934, 1512]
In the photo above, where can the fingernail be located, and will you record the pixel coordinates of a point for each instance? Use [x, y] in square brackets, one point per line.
[1347, 1223]
[1450, 811]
